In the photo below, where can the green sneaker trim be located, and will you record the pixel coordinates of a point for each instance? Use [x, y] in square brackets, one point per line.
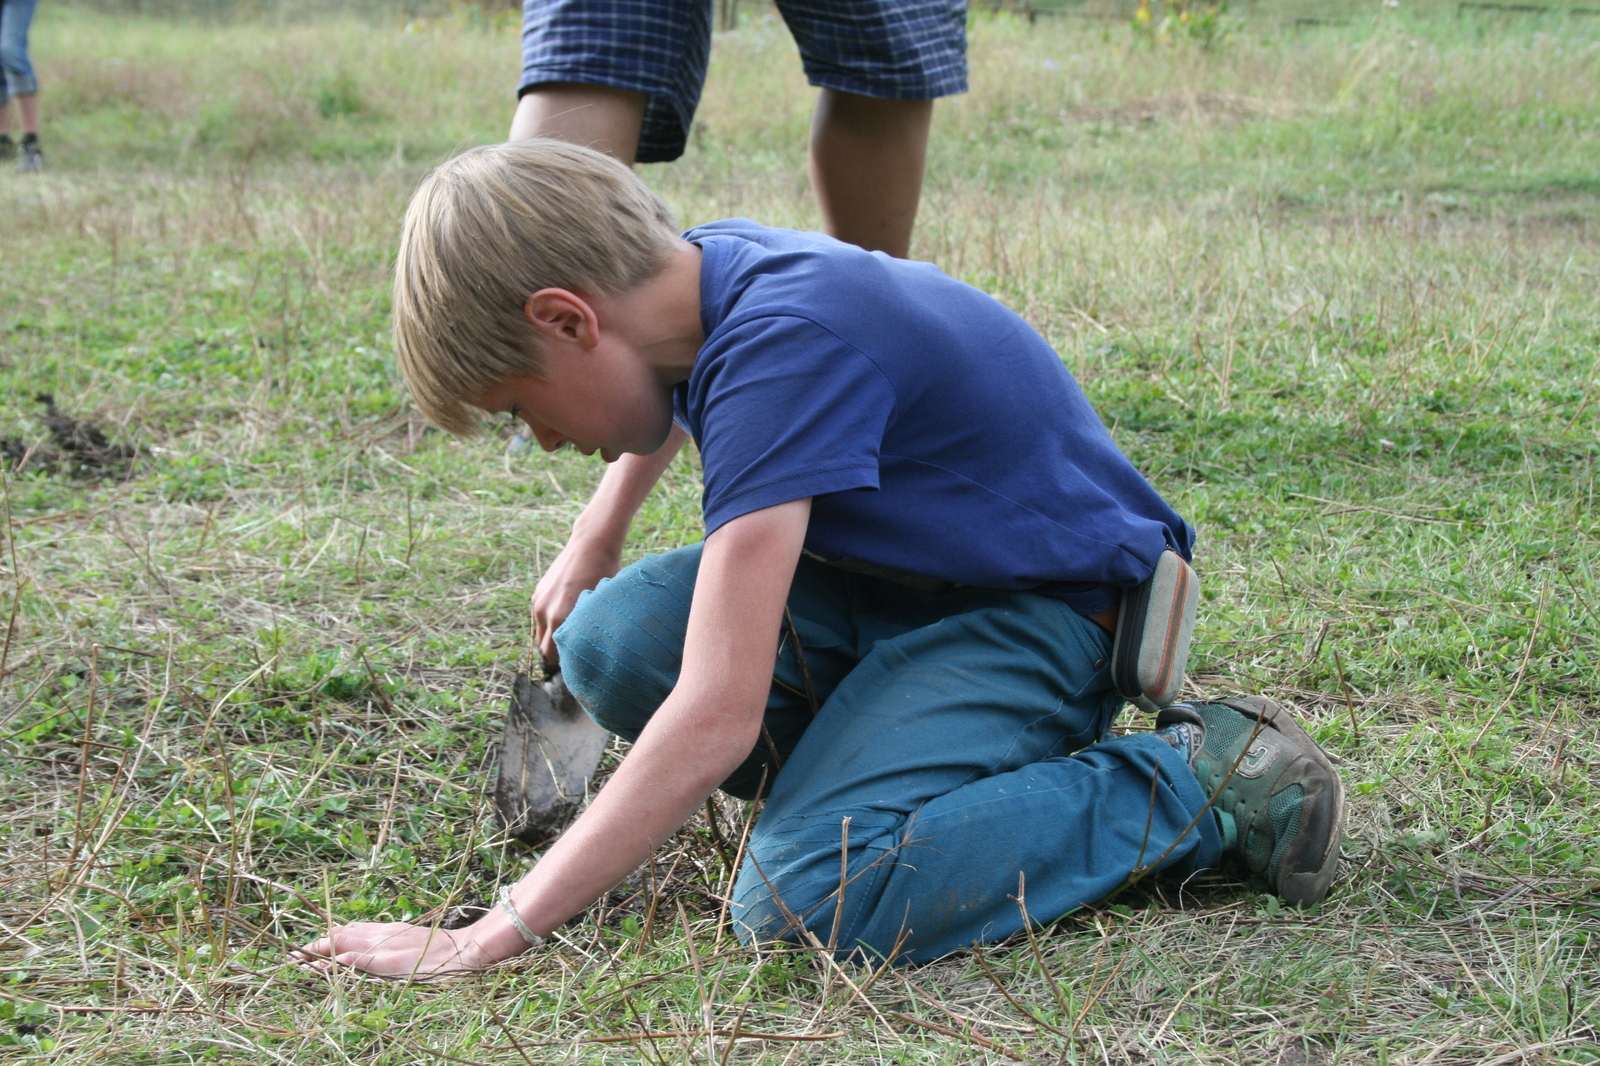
[1283, 810]
[1228, 826]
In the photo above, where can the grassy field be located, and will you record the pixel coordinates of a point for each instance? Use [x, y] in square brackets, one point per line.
[1333, 288]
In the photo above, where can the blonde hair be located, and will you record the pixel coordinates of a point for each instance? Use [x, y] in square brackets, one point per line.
[488, 229]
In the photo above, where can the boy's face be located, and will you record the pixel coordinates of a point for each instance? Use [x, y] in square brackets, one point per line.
[603, 398]
[610, 362]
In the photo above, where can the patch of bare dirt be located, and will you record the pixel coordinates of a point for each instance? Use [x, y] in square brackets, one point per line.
[77, 448]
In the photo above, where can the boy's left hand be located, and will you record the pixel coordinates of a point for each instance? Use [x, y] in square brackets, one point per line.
[396, 949]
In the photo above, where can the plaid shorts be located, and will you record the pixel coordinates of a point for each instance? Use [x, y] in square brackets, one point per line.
[891, 49]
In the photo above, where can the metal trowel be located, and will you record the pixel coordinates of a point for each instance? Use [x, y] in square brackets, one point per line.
[548, 756]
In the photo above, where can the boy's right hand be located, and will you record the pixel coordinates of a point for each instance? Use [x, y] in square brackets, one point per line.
[582, 564]
[594, 551]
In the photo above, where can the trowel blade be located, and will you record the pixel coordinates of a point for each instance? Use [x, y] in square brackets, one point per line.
[548, 755]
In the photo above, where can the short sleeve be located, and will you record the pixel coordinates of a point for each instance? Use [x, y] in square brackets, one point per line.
[782, 409]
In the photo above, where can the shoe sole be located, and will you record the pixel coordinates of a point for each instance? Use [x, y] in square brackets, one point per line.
[1305, 887]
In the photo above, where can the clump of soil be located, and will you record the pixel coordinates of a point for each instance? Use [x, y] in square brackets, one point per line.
[77, 448]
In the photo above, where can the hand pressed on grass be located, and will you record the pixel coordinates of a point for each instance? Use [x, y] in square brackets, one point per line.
[396, 949]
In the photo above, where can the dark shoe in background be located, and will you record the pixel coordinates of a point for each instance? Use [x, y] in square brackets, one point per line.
[32, 160]
[8, 148]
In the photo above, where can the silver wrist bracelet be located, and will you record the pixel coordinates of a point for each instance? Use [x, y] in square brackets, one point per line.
[533, 939]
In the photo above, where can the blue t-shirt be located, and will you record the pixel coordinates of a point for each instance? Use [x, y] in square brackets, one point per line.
[936, 431]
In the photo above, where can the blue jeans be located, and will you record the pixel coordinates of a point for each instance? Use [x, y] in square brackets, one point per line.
[19, 80]
[959, 746]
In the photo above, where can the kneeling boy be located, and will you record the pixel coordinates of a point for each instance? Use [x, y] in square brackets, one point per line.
[917, 534]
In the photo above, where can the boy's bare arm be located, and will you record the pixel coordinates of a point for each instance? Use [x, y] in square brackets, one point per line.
[702, 732]
[594, 551]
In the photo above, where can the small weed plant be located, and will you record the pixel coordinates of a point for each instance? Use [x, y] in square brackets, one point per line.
[1205, 26]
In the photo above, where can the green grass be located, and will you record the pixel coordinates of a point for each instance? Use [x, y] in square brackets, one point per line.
[1332, 287]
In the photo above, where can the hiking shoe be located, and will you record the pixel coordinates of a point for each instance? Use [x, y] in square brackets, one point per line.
[32, 160]
[8, 148]
[1278, 799]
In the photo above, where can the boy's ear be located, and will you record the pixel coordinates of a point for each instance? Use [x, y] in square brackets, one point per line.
[561, 315]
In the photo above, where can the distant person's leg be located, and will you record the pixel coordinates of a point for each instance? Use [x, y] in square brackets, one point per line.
[880, 64]
[28, 108]
[15, 16]
[866, 165]
[621, 75]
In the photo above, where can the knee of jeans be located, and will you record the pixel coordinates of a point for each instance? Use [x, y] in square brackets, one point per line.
[776, 907]
[622, 646]
[792, 880]
[588, 651]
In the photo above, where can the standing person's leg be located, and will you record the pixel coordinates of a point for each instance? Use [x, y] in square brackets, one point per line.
[598, 116]
[28, 110]
[954, 760]
[623, 76]
[879, 65]
[866, 163]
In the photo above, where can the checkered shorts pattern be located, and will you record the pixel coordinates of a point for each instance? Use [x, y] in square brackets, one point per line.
[891, 49]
